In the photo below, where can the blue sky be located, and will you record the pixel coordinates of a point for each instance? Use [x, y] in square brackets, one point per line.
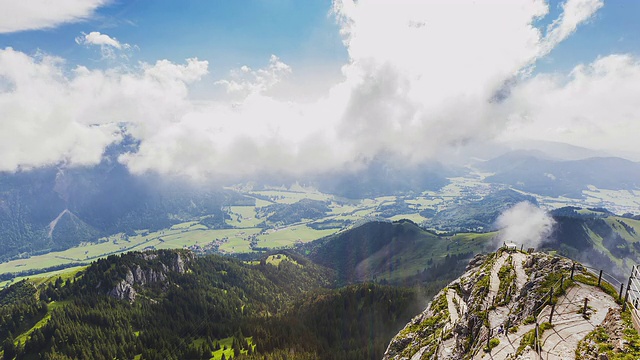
[614, 29]
[227, 33]
[311, 86]
[235, 33]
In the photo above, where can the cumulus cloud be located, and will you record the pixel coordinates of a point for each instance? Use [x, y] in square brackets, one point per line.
[595, 106]
[525, 223]
[107, 44]
[426, 77]
[50, 117]
[421, 77]
[246, 80]
[44, 14]
[96, 38]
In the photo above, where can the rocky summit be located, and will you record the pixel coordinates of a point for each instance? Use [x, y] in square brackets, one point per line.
[516, 305]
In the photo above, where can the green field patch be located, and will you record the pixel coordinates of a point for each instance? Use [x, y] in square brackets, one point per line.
[291, 235]
[52, 276]
[416, 218]
[229, 238]
[290, 197]
[163, 239]
[243, 216]
[184, 225]
[236, 245]
[341, 209]
[383, 199]
[226, 347]
[22, 338]
[276, 259]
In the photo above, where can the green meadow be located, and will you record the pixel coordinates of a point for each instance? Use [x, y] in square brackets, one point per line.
[243, 223]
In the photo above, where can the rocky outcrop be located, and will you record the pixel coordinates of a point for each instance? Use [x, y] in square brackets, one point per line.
[499, 293]
[123, 291]
[150, 268]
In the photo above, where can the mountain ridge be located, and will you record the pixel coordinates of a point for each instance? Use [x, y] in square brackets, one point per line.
[496, 306]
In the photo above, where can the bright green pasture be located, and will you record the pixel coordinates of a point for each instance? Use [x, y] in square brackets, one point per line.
[228, 342]
[243, 217]
[165, 239]
[290, 197]
[290, 235]
[416, 218]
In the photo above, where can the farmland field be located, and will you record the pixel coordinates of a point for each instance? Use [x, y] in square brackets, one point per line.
[245, 225]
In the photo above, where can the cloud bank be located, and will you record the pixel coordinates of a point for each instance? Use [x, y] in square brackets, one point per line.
[421, 78]
[44, 14]
[526, 224]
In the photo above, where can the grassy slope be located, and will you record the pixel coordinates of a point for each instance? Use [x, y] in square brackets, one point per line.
[616, 257]
[393, 252]
[52, 306]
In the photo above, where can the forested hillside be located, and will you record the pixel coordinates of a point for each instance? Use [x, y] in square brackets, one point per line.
[172, 305]
[399, 253]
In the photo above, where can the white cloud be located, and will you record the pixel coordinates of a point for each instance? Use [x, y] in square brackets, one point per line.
[421, 77]
[96, 38]
[49, 117]
[107, 44]
[595, 106]
[574, 13]
[246, 80]
[525, 223]
[43, 14]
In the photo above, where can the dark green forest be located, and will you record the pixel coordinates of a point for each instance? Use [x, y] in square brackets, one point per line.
[184, 306]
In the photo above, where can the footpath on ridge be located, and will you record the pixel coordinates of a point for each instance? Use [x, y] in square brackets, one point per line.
[569, 324]
[487, 320]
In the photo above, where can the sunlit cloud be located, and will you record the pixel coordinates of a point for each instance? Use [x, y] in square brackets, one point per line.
[107, 44]
[421, 78]
[44, 14]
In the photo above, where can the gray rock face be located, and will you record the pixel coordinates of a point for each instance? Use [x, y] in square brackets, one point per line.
[123, 291]
[145, 275]
[436, 333]
[178, 264]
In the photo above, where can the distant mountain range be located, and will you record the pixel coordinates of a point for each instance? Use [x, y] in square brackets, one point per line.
[533, 172]
[56, 208]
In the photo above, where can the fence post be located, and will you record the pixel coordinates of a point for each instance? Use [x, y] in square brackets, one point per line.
[626, 295]
[551, 295]
[621, 288]
[573, 267]
[626, 298]
[584, 309]
[599, 278]
[536, 340]
[553, 307]
[489, 339]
